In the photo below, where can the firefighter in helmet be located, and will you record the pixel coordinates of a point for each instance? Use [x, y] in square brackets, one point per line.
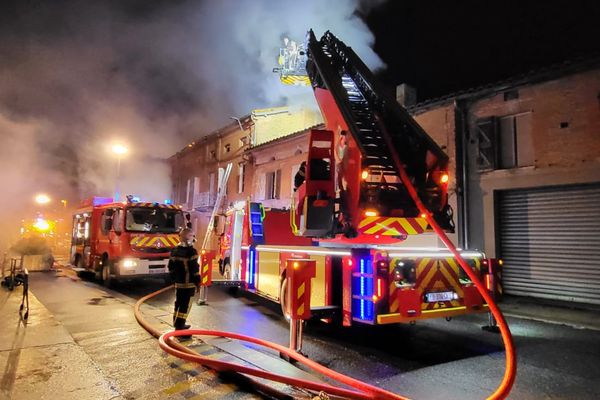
[185, 272]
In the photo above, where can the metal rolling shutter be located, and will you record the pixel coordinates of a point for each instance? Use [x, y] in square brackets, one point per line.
[550, 242]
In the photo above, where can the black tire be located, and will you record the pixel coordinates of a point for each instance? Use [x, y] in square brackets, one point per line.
[98, 268]
[107, 280]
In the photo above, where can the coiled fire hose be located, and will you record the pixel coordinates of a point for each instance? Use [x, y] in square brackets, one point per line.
[361, 390]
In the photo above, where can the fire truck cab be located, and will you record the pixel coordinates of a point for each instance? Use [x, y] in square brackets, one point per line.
[124, 240]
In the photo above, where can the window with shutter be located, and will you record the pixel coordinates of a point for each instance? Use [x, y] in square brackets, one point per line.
[486, 143]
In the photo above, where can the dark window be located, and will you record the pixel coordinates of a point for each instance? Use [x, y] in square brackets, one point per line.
[515, 144]
[505, 142]
[272, 185]
[486, 142]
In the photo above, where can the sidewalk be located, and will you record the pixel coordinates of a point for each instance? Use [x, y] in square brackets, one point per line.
[83, 342]
[576, 315]
[40, 360]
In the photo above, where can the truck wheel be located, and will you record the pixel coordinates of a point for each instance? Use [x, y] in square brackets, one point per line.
[97, 268]
[107, 280]
[283, 298]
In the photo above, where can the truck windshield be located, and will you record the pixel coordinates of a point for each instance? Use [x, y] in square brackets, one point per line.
[154, 219]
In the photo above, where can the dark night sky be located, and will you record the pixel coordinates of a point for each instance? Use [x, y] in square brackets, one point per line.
[444, 46]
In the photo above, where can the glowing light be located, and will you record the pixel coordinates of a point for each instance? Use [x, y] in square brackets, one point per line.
[444, 178]
[365, 174]
[370, 213]
[500, 262]
[296, 265]
[423, 215]
[119, 149]
[41, 225]
[42, 198]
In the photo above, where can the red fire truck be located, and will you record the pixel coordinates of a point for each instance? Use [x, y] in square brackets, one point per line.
[124, 240]
[367, 283]
[352, 211]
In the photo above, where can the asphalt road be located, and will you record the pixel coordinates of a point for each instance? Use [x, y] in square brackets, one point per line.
[433, 359]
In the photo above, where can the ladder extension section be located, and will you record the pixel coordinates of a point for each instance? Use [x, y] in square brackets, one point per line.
[221, 190]
[371, 116]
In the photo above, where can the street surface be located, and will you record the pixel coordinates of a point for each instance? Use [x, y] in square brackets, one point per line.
[431, 360]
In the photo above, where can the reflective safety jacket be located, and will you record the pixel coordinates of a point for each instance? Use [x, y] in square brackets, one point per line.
[183, 267]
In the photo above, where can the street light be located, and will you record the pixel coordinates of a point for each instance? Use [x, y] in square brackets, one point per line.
[119, 150]
[42, 198]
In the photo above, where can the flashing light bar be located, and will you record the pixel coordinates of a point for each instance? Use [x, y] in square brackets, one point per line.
[302, 251]
[471, 254]
[98, 201]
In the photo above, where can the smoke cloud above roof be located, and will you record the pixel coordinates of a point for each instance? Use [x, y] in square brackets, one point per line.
[76, 76]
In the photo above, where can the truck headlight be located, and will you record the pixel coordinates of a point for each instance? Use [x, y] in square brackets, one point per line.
[129, 263]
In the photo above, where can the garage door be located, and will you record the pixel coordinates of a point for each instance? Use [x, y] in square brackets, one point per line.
[550, 241]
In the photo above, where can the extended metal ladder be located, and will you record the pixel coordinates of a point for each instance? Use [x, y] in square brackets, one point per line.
[379, 125]
[221, 192]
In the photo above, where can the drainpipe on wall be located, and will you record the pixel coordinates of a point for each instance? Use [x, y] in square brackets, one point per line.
[462, 170]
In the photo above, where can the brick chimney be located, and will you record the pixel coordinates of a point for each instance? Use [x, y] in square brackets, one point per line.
[406, 95]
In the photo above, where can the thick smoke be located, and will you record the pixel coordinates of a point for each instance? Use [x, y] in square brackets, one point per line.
[77, 76]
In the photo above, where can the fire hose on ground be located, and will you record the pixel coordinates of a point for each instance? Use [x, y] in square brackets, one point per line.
[360, 390]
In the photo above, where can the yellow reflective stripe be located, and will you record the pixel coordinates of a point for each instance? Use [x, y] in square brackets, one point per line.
[141, 242]
[422, 222]
[151, 241]
[367, 221]
[301, 290]
[184, 285]
[181, 315]
[165, 241]
[407, 226]
[301, 309]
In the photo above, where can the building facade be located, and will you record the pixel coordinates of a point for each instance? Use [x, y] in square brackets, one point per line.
[527, 155]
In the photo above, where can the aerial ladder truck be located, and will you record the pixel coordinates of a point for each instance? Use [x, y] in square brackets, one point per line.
[353, 211]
